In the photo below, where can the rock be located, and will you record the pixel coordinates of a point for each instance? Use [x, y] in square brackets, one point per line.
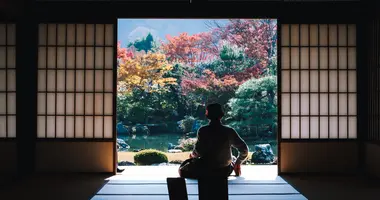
[121, 129]
[171, 146]
[263, 154]
[175, 151]
[122, 143]
[126, 163]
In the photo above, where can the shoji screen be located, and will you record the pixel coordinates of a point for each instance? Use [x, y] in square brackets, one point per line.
[75, 81]
[7, 81]
[318, 81]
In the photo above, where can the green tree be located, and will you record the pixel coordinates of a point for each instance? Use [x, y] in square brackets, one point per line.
[145, 44]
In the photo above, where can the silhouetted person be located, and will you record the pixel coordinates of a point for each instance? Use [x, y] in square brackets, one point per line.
[212, 154]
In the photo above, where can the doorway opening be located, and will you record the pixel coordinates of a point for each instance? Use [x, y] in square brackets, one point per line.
[169, 70]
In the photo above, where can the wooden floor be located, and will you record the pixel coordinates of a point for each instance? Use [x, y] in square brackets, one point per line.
[147, 182]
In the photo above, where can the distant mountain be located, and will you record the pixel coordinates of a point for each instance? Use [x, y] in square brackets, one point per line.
[141, 32]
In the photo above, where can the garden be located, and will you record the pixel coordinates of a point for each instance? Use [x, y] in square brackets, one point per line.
[167, 76]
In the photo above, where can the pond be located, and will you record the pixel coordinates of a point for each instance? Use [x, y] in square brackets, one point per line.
[160, 142]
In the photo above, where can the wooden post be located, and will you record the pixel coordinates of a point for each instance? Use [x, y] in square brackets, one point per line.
[177, 188]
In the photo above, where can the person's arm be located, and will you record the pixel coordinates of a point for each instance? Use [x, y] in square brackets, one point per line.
[197, 147]
[242, 147]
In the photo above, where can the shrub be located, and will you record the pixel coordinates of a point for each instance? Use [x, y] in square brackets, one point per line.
[149, 157]
[186, 125]
[187, 144]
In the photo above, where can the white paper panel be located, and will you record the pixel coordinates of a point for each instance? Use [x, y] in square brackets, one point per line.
[3, 84]
[352, 35]
[50, 102]
[79, 110]
[3, 127]
[50, 123]
[71, 34]
[314, 81]
[70, 61]
[99, 34]
[342, 104]
[323, 34]
[323, 58]
[109, 35]
[108, 104]
[285, 35]
[285, 104]
[11, 80]
[304, 58]
[70, 80]
[90, 34]
[342, 58]
[314, 101]
[324, 127]
[61, 57]
[352, 104]
[51, 80]
[79, 127]
[80, 57]
[90, 51]
[80, 29]
[314, 127]
[294, 99]
[323, 102]
[352, 129]
[89, 104]
[41, 80]
[41, 127]
[285, 127]
[98, 104]
[108, 127]
[11, 103]
[41, 98]
[61, 81]
[90, 80]
[108, 81]
[295, 127]
[61, 34]
[42, 29]
[343, 127]
[60, 127]
[70, 127]
[333, 40]
[294, 34]
[304, 35]
[305, 127]
[314, 60]
[285, 62]
[342, 28]
[60, 103]
[285, 81]
[294, 58]
[333, 58]
[294, 78]
[323, 84]
[11, 34]
[352, 58]
[51, 57]
[333, 81]
[79, 80]
[304, 104]
[99, 57]
[304, 81]
[2, 34]
[99, 81]
[343, 81]
[2, 57]
[70, 103]
[98, 127]
[109, 58]
[11, 56]
[3, 104]
[89, 122]
[52, 34]
[12, 126]
[333, 127]
[352, 81]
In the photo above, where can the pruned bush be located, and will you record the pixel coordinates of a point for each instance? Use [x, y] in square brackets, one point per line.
[150, 156]
[186, 125]
[187, 144]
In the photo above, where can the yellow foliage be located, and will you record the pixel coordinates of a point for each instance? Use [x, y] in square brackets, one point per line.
[146, 72]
